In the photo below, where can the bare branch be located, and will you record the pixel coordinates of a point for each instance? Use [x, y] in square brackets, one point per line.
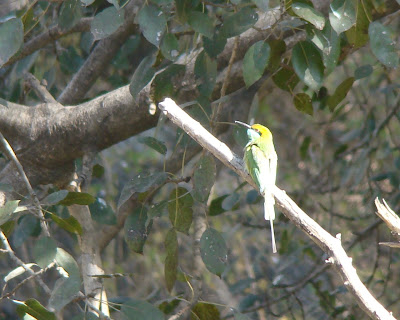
[331, 245]
[39, 89]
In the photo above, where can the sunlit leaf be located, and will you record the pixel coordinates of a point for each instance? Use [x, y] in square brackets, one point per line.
[81, 198]
[11, 39]
[239, 22]
[34, 309]
[180, 209]
[255, 61]
[135, 229]
[70, 224]
[213, 251]
[152, 22]
[302, 102]
[342, 15]
[307, 63]
[340, 93]
[358, 34]
[309, 14]
[205, 311]
[204, 178]
[17, 272]
[106, 22]
[382, 45]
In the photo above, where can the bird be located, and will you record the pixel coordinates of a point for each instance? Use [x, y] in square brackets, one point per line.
[261, 163]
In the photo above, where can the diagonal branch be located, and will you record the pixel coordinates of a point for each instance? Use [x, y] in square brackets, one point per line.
[331, 245]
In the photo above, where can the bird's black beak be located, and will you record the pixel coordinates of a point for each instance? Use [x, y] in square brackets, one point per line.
[243, 124]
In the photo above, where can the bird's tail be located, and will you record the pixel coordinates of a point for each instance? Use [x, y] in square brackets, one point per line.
[269, 214]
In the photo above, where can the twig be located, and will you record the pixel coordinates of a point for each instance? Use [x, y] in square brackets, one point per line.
[391, 219]
[18, 261]
[11, 155]
[36, 274]
[331, 245]
[39, 89]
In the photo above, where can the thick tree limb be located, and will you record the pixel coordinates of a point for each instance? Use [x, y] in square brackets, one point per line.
[331, 245]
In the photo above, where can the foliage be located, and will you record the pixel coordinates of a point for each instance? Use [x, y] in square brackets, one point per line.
[331, 99]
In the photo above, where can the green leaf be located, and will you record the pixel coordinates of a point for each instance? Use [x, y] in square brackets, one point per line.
[34, 309]
[17, 272]
[213, 251]
[309, 14]
[358, 34]
[152, 22]
[102, 213]
[70, 14]
[255, 61]
[154, 143]
[138, 309]
[308, 65]
[204, 178]
[252, 197]
[168, 307]
[27, 226]
[286, 79]
[7, 210]
[205, 70]
[55, 197]
[77, 198]
[171, 260]
[239, 22]
[164, 83]
[215, 208]
[363, 71]
[44, 251]
[65, 288]
[304, 147]
[205, 311]
[11, 39]
[106, 22]
[141, 183]
[135, 230]
[278, 48]
[302, 102]
[201, 23]
[142, 75]
[70, 224]
[170, 47]
[340, 93]
[328, 42]
[214, 46]
[97, 171]
[382, 45]
[343, 15]
[156, 210]
[180, 209]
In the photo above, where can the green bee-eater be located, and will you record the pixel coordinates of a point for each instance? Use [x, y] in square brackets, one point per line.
[261, 162]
